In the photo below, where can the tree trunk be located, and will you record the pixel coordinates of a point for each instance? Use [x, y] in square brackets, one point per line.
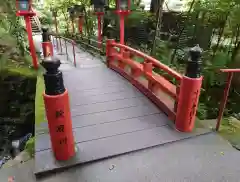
[221, 31]
[155, 5]
[158, 26]
[181, 31]
[235, 52]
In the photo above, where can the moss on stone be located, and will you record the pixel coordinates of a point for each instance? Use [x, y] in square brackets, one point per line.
[39, 103]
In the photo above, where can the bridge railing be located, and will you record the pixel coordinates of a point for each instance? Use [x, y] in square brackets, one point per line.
[59, 41]
[92, 44]
[155, 86]
[230, 73]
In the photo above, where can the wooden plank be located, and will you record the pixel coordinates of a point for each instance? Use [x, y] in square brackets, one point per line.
[109, 106]
[112, 146]
[114, 115]
[105, 90]
[99, 131]
[109, 116]
[77, 99]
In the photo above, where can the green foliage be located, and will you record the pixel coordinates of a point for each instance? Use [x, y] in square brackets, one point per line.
[202, 111]
[30, 147]
[46, 18]
[39, 103]
[163, 52]
[136, 17]
[12, 33]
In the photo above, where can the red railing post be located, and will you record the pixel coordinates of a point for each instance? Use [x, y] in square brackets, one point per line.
[125, 55]
[60, 45]
[148, 68]
[66, 48]
[57, 42]
[47, 46]
[74, 54]
[56, 28]
[31, 43]
[80, 24]
[109, 51]
[224, 100]
[99, 17]
[121, 17]
[57, 109]
[176, 101]
[190, 89]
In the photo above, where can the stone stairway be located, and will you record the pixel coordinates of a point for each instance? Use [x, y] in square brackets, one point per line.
[36, 25]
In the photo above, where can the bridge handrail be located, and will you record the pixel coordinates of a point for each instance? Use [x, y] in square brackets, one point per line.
[73, 42]
[101, 45]
[148, 58]
[155, 86]
[230, 70]
[230, 73]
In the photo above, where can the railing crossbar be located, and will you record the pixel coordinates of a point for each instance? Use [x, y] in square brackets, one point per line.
[155, 62]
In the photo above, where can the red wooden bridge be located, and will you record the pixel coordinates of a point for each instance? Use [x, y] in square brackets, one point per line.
[117, 106]
[120, 106]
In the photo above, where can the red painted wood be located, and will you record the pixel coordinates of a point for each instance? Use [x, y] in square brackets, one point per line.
[99, 17]
[164, 106]
[80, 24]
[230, 70]
[60, 125]
[155, 62]
[187, 103]
[224, 100]
[31, 43]
[165, 85]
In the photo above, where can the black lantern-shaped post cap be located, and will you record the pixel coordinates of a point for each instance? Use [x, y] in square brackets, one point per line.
[24, 5]
[45, 35]
[122, 5]
[196, 52]
[51, 64]
[71, 12]
[194, 62]
[99, 5]
[53, 77]
[79, 9]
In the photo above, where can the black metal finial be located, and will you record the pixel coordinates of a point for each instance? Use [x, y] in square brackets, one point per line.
[53, 76]
[45, 35]
[194, 62]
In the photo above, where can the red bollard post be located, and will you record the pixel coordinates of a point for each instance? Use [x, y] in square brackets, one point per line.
[190, 89]
[109, 51]
[57, 108]
[121, 17]
[224, 100]
[80, 24]
[31, 43]
[99, 17]
[123, 9]
[46, 44]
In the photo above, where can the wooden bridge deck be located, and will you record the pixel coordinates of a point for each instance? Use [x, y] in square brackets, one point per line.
[110, 117]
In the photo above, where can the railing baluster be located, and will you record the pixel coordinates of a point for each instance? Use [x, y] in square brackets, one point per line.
[147, 68]
[66, 48]
[224, 101]
[60, 45]
[74, 54]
